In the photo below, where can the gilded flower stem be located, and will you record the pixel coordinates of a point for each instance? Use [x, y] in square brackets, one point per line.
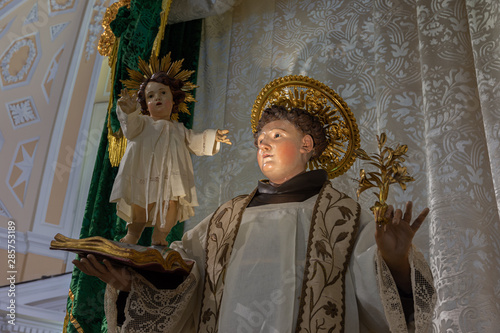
[389, 163]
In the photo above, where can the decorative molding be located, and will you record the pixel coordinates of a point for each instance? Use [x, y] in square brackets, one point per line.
[7, 5]
[70, 219]
[38, 324]
[56, 29]
[4, 211]
[32, 16]
[40, 305]
[22, 112]
[75, 201]
[21, 241]
[48, 80]
[6, 28]
[40, 245]
[30, 242]
[22, 164]
[95, 28]
[57, 7]
[104, 83]
[23, 76]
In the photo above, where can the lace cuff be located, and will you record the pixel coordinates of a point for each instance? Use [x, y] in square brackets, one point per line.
[149, 309]
[424, 295]
[110, 310]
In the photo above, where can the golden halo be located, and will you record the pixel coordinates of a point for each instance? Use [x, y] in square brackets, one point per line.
[297, 91]
[172, 68]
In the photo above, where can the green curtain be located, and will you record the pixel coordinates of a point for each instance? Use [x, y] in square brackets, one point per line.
[137, 28]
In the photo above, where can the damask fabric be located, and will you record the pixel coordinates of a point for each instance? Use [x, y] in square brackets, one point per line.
[187, 10]
[157, 165]
[273, 306]
[425, 72]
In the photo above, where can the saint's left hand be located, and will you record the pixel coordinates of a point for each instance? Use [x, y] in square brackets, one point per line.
[394, 239]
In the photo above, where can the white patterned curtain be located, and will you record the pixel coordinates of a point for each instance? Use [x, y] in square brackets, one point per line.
[426, 72]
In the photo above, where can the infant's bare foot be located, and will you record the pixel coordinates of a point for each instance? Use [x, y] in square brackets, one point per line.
[130, 239]
[159, 237]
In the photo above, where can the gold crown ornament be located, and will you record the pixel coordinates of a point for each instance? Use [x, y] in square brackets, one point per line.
[342, 134]
[172, 69]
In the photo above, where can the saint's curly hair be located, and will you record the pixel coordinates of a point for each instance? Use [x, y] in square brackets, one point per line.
[175, 87]
[301, 119]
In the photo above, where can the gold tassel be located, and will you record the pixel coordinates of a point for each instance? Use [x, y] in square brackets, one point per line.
[117, 144]
[165, 5]
[66, 322]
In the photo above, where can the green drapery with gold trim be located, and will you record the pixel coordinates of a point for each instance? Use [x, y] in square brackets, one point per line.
[137, 28]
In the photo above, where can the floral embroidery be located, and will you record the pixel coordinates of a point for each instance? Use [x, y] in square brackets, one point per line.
[206, 315]
[331, 309]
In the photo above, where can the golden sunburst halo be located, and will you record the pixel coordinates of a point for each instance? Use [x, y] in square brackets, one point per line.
[297, 91]
[172, 69]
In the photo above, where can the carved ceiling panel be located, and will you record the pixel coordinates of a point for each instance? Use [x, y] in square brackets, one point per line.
[19, 61]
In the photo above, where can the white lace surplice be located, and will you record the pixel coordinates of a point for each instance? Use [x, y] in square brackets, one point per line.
[264, 279]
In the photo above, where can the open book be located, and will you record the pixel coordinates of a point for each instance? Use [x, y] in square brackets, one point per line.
[157, 258]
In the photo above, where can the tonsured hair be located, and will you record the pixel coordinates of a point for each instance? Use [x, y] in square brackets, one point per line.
[301, 119]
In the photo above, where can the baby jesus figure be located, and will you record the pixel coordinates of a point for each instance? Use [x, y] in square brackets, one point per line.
[155, 181]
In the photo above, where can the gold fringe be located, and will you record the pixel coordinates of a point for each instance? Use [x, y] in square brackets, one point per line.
[70, 315]
[66, 321]
[165, 5]
[117, 144]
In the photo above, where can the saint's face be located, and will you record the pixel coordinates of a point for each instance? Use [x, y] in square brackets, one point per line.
[280, 152]
[159, 100]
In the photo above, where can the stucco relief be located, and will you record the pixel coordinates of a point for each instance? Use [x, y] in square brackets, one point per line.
[51, 74]
[56, 29]
[95, 28]
[20, 169]
[57, 7]
[32, 15]
[22, 112]
[19, 61]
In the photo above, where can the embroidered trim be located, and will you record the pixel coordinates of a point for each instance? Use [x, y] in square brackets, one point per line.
[332, 207]
[221, 234]
[322, 305]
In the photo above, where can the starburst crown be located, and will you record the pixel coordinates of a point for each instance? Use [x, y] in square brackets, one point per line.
[172, 69]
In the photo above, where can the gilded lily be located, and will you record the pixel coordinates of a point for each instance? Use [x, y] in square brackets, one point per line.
[390, 171]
